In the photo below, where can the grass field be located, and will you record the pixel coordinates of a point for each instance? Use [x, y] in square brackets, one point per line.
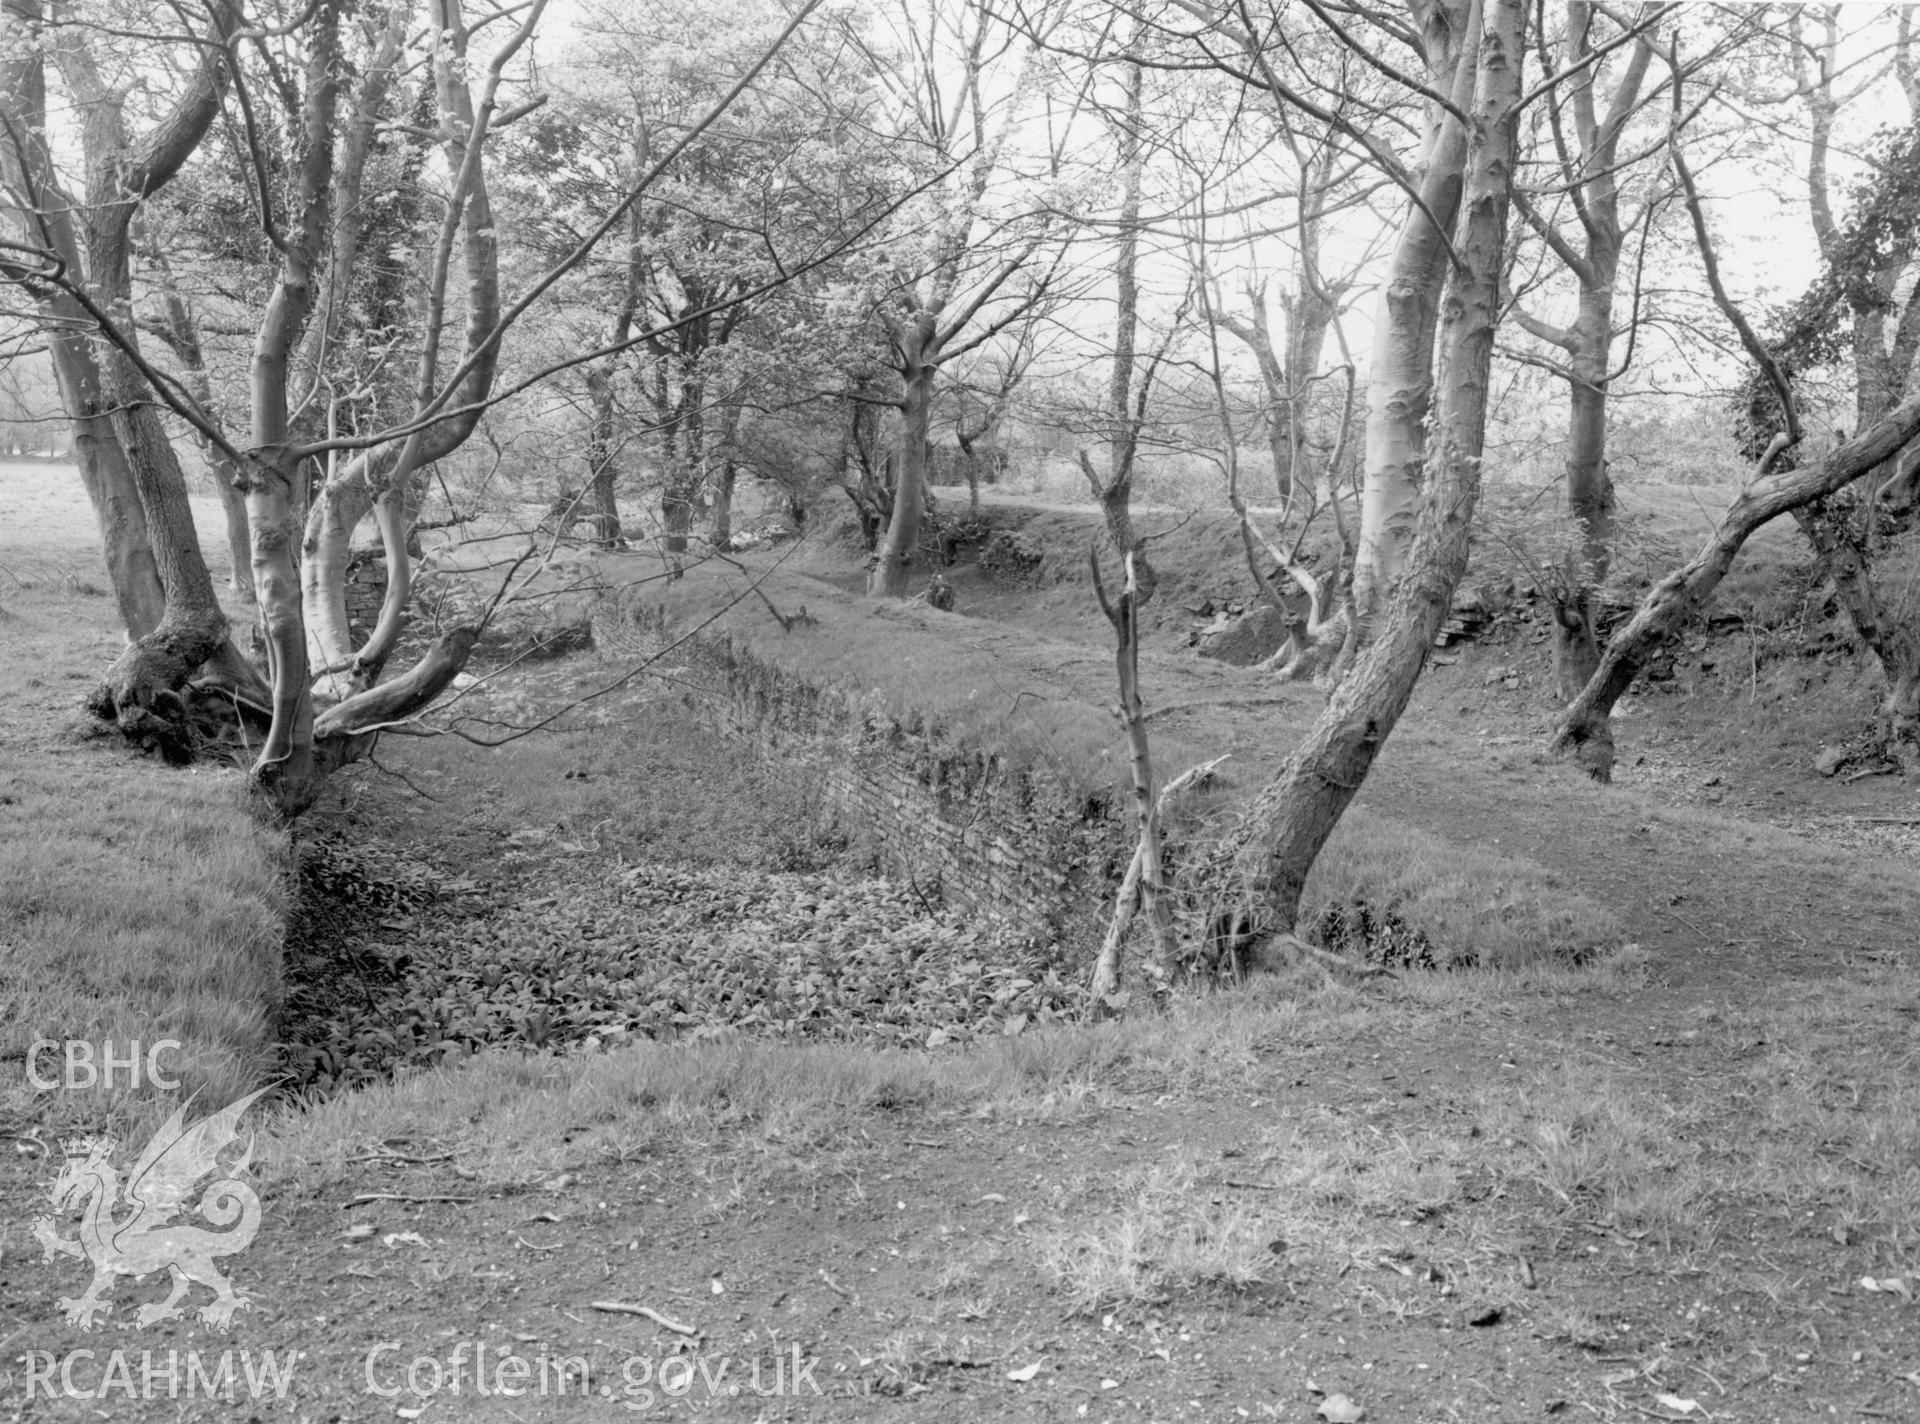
[136, 902]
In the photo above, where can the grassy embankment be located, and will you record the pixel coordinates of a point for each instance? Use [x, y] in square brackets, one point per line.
[1034, 701]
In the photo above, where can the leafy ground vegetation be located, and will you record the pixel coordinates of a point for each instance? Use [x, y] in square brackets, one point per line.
[1679, 1182]
[659, 952]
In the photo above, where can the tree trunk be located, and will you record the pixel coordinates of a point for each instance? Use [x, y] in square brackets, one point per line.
[686, 459]
[1840, 544]
[1590, 498]
[366, 712]
[326, 548]
[1116, 507]
[1585, 729]
[1900, 713]
[889, 576]
[181, 331]
[390, 513]
[1144, 887]
[721, 525]
[284, 771]
[1295, 814]
[233, 506]
[603, 470]
[284, 774]
[392, 484]
[131, 568]
[1589, 169]
[27, 166]
[1876, 382]
[1309, 317]
[1400, 374]
[723, 503]
[120, 174]
[1128, 386]
[970, 469]
[1893, 643]
[193, 627]
[676, 512]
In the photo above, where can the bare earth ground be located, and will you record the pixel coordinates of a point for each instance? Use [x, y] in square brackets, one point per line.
[1651, 1196]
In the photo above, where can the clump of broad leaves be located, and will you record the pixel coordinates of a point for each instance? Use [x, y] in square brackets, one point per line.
[609, 954]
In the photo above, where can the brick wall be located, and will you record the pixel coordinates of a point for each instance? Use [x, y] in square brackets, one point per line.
[366, 588]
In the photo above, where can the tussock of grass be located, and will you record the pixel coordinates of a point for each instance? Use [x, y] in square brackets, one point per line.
[1171, 1236]
[1474, 906]
[136, 902]
[1609, 1151]
[1321, 1161]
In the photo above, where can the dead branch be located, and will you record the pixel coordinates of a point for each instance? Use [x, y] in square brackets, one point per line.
[621, 1307]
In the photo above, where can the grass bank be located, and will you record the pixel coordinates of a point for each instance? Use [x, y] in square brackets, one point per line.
[1027, 699]
[997, 689]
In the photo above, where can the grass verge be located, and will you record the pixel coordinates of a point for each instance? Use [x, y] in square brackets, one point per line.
[526, 1116]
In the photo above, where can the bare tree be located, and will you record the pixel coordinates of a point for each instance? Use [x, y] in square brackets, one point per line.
[1143, 887]
[1777, 487]
[77, 258]
[969, 274]
[300, 744]
[1587, 170]
[1260, 880]
[982, 406]
[1132, 373]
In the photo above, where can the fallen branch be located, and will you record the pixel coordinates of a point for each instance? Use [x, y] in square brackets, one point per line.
[364, 1197]
[1189, 777]
[620, 1307]
[1293, 945]
[398, 1159]
[1205, 702]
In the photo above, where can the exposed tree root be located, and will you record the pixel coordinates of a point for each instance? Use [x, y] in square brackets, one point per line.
[140, 694]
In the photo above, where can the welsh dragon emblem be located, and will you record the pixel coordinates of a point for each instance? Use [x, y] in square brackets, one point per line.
[147, 1239]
